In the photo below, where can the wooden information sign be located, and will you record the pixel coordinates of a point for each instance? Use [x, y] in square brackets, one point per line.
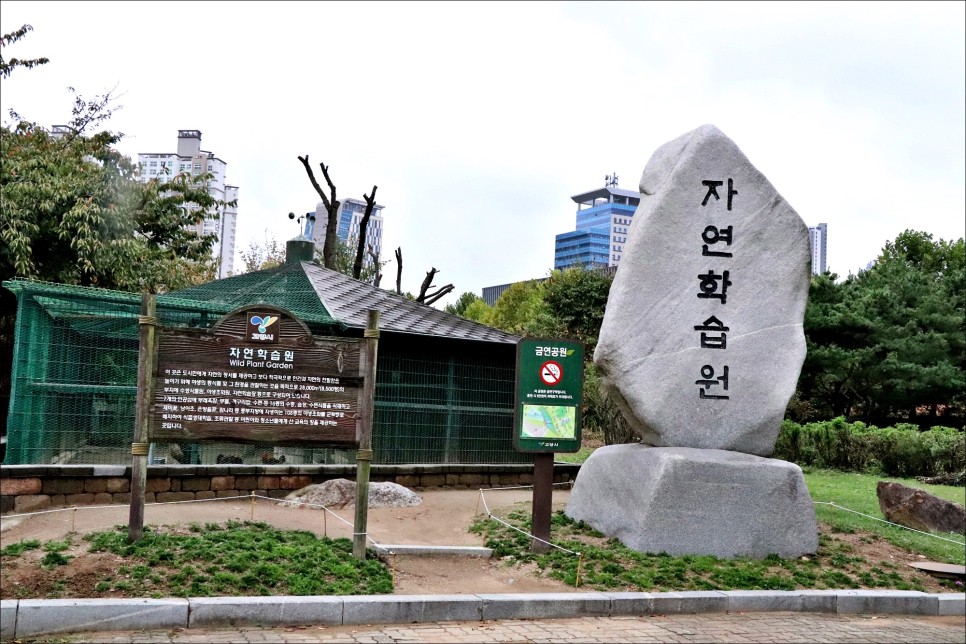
[258, 376]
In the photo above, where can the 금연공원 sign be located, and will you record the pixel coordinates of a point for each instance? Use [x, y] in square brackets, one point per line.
[550, 391]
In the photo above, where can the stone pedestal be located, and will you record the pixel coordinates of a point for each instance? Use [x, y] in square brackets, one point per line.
[682, 500]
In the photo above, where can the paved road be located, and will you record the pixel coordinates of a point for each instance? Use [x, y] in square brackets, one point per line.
[712, 627]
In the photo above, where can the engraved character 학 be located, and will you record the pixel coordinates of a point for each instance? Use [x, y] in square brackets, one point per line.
[710, 284]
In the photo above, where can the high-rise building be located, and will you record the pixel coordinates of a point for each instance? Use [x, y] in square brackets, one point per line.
[603, 218]
[192, 160]
[818, 239]
[349, 217]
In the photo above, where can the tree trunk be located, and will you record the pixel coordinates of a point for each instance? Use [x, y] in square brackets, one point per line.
[363, 227]
[331, 208]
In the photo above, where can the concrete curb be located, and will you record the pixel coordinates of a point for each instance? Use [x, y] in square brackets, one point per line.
[32, 617]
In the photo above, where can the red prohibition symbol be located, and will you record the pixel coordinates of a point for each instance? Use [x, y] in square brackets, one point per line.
[551, 373]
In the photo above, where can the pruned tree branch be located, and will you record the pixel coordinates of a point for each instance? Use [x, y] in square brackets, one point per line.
[332, 209]
[427, 282]
[363, 227]
[375, 262]
[438, 294]
[399, 271]
[428, 298]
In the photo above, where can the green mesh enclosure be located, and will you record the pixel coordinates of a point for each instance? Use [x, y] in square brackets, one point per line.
[75, 373]
[444, 402]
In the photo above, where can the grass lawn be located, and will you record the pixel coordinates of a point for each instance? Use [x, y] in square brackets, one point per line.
[197, 561]
[857, 492]
[606, 564]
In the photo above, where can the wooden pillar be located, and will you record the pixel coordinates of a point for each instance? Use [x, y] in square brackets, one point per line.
[542, 501]
[364, 453]
[147, 355]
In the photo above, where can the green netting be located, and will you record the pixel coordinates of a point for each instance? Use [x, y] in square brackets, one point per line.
[75, 373]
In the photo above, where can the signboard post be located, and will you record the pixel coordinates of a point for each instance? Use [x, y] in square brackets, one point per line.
[549, 395]
[147, 351]
[257, 376]
[364, 453]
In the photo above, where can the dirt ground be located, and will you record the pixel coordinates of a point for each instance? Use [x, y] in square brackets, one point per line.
[442, 519]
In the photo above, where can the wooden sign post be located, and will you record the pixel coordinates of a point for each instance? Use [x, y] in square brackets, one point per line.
[364, 453]
[257, 376]
[147, 353]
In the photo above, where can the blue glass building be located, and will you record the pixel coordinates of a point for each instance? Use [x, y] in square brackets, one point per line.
[603, 218]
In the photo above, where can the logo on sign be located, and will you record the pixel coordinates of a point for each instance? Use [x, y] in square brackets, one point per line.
[550, 373]
[262, 328]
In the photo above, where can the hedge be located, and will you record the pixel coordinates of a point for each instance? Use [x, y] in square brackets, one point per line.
[900, 451]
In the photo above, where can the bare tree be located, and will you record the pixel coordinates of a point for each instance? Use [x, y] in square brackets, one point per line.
[429, 298]
[424, 296]
[363, 228]
[330, 244]
[375, 262]
[331, 207]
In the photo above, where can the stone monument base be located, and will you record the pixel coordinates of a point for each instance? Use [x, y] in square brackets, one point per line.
[682, 500]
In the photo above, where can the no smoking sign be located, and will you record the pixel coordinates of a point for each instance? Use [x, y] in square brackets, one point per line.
[551, 373]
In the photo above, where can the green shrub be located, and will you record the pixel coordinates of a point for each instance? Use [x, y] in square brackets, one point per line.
[901, 451]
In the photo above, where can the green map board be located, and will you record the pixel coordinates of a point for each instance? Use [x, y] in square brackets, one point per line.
[550, 391]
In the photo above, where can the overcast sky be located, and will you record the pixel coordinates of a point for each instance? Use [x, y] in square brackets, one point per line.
[479, 121]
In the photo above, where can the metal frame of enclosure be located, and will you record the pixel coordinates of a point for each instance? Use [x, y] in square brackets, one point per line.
[444, 386]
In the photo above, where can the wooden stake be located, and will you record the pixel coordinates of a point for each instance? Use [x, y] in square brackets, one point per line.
[147, 356]
[364, 453]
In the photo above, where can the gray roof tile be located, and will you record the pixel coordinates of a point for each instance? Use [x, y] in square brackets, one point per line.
[348, 300]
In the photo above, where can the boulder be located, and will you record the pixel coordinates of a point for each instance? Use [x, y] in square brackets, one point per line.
[339, 493]
[919, 509]
[702, 342]
[683, 501]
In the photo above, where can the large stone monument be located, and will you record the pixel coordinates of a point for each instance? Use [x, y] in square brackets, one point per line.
[701, 348]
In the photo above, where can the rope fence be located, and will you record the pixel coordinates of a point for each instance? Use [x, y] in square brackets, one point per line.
[480, 500]
[897, 525]
[490, 515]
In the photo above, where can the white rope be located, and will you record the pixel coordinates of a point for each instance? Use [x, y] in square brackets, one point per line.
[482, 498]
[532, 536]
[868, 516]
[521, 487]
[294, 502]
[119, 506]
[227, 498]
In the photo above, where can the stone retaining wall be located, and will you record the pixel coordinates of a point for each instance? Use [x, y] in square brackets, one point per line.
[29, 488]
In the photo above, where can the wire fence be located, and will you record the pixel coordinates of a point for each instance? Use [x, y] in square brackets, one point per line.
[74, 383]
